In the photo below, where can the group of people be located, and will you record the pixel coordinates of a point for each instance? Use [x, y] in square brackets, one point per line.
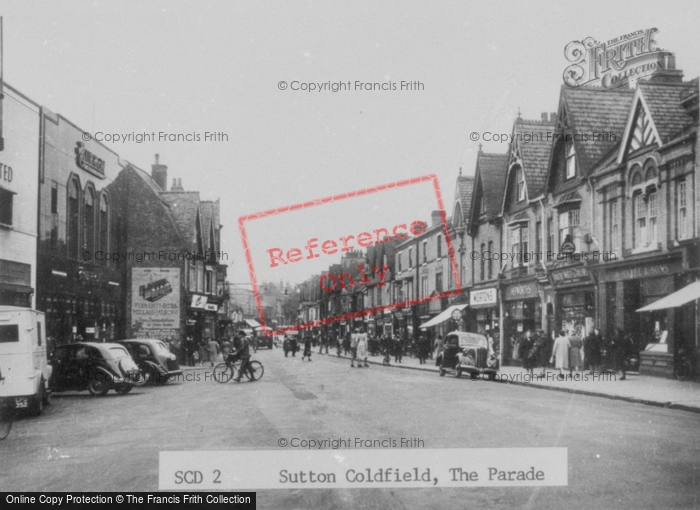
[572, 352]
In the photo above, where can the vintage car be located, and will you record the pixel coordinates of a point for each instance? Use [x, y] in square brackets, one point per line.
[153, 357]
[96, 367]
[291, 342]
[467, 352]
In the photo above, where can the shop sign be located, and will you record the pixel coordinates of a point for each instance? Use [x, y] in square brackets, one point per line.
[571, 276]
[456, 314]
[191, 322]
[483, 297]
[199, 301]
[90, 331]
[211, 308]
[88, 161]
[646, 271]
[520, 291]
[399, 314]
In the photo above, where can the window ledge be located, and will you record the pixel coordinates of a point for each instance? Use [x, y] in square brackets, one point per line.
[646, 249]
[5, 226]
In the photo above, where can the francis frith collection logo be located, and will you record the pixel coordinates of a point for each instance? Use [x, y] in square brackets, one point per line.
[614, 63]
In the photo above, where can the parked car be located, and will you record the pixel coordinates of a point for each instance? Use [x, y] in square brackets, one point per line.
[467, 352]
[23, 359]
[154, 359]
[96, 367]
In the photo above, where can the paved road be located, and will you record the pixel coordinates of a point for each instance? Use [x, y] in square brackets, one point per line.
[621, 455]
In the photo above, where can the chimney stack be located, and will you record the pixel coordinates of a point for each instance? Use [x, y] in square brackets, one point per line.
[436, 218]
[544, 116]
[177, 185]
[159, 174]
[553, 117]
[667, 72]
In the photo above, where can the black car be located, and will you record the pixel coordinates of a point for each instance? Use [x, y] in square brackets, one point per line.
[467, 352]
[154, 359]
[96, 367]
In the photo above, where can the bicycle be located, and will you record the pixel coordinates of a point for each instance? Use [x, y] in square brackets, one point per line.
[224, 372]
[7, 414]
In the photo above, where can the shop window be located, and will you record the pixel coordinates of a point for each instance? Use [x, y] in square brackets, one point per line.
[569, 225]
[104, 223]
[490, 275]
[681, 210]
[73, 220]
[6, 198]
[570, 161]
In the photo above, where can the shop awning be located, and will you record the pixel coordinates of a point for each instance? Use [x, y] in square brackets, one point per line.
[252, 323]
[678, 298]
[444, 315]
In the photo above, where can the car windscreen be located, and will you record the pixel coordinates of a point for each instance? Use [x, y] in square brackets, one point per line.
[473, 340]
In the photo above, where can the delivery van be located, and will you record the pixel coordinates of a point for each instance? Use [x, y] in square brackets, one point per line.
[23, 362]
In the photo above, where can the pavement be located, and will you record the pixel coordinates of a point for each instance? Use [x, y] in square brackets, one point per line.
[640, 389]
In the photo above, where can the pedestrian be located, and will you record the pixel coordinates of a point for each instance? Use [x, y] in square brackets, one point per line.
[542, 342]
[213, 351]
[560, 353]
[575, 344]
[293, 345]
[423, 347]
[398, 350]
[307, 348]
[347, 344]
[225, 347]
[190, 350]
[361, 352]
[621, 347]
[203, 353]
[353, 346]
[528, 352]
[439, 346]
[592, 350]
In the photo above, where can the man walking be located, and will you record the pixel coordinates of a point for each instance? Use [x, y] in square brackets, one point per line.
[243, 353]
[354, 339]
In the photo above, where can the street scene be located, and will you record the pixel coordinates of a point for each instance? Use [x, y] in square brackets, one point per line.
[303, 256]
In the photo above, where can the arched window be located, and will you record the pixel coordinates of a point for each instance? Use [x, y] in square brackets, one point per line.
[637, 178]
[104, 222]
[73, 219]
[89, 220]
[650, 168]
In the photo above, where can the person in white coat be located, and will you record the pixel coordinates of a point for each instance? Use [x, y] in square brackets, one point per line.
[362, 349]
[560, 352]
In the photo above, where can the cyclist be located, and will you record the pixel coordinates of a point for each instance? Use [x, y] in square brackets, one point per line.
[243, 352]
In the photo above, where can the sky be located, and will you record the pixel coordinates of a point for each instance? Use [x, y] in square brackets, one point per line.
[196, 67]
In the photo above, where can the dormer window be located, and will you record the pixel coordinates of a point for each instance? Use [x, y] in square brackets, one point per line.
[570, 161]
[521, 184]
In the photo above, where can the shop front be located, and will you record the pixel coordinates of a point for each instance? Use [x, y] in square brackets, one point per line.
[627, 288]
[522, 312]
[485, 314]
[574, 296]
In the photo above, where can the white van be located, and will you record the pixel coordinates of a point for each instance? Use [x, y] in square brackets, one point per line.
[23, 363]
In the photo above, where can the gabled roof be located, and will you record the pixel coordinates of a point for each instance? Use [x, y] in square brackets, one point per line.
[463, 195]
[489, 184]
[660, 106]
[589, 110]
[533, 155]
[184, 206]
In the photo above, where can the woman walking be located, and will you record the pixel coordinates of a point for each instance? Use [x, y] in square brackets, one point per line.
[560, 353]
[575, 343]
[592, 351]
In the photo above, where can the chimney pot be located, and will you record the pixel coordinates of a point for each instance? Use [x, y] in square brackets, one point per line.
[544, 116]
[159, 174]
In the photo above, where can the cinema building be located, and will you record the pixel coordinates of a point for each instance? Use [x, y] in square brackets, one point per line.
[19, 154]
[81, 291]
